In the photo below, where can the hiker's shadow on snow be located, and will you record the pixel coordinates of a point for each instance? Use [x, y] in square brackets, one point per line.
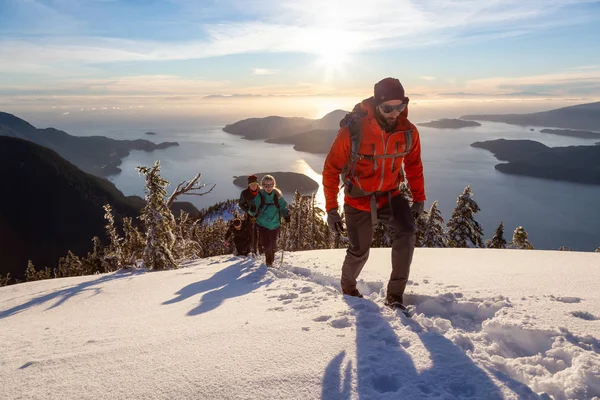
[62, 295]
[236, 280]
[385, 368]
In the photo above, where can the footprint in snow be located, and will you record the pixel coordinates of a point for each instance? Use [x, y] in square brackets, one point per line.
[584, 315]
[341, 323]
[566, 299]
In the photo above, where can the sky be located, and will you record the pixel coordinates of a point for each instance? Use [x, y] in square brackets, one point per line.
[118, 55]
[489, 324]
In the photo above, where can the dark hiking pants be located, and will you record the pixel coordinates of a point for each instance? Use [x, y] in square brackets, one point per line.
[268, 240]
[397, 217]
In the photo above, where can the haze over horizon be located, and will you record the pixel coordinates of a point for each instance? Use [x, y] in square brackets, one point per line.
[66, 61]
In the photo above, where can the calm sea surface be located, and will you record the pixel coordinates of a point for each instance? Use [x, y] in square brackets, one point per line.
[553, 213]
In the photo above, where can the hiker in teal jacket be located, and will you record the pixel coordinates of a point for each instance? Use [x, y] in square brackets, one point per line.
[269, 207]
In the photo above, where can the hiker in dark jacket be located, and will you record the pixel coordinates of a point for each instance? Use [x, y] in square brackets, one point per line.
[269, 207]
[246, 199]
[241, 236]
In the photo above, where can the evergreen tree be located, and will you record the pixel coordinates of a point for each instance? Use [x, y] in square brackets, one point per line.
[113, 254]
[498, 241]
[565, 248]
[462, 227]
[5, 280]
[598, 250]
[133, 243]
[421, 225]
[520, 240]
[405, 191]
[70, 265]
[381, 236]
[94, 262]
[186, 246]
[433, 235]
[30, 272]
[158, 220]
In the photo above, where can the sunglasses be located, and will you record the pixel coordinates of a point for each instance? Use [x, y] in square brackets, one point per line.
[388, 109]
[268, 185]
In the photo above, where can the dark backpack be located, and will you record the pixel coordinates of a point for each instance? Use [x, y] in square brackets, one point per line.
[353, 121]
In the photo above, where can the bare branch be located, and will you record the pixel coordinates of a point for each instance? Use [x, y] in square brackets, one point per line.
[187, 188]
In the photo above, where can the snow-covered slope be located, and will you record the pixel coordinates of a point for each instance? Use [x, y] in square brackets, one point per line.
[490, 324]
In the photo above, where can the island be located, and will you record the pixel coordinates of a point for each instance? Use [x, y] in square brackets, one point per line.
[572, 133]
[150, 133]
[449, 123]
[97, 155]
[579, 117]
[277, 127]
[579, 164]
[317, 141]
[287, 182]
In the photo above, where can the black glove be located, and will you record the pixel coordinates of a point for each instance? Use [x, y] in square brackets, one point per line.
[417, 209]
[253, 208]
[287, 218]
[334, 220]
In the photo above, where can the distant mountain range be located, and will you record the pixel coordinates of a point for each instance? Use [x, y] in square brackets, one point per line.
[449, 123]
[97, 155]
[50, 206]
[580, 164]
[278, 127]
[582, 116]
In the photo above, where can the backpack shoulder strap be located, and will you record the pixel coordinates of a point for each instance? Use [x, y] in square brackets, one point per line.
[353, 121]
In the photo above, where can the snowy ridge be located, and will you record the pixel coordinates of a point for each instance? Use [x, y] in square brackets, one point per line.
[229, 328]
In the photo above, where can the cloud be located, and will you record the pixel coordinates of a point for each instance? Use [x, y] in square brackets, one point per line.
[312, 27]
[264, 71]
[428, 78]
[572, 81]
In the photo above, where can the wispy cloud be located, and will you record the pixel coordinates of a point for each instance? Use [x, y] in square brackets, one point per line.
[428, 78]
[264, 71]
[572, 81]
[313, 27]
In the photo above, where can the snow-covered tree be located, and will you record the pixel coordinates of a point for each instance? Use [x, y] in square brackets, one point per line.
[462, 227]
[158, 221]
[186, 246]
[565, 248]
[498, 241]
[421, 225]
[598, 250]
[405, 190]
[70, 265]
[5, 280]
[433, 235]
[520, 240]
[113, 254]
[133, 243]
[31, 274]
[94, 262]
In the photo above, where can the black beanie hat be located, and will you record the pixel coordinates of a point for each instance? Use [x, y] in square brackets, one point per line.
[388, 89]
[252, 178]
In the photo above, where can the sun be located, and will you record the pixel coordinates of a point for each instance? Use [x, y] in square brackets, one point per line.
[332, 50]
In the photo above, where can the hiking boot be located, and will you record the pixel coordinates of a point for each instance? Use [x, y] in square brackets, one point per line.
[353, 293]
[395, 302]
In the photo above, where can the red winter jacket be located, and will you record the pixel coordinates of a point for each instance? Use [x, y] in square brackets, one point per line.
[387, 174]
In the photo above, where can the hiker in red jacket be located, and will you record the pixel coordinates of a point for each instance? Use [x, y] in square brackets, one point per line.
[372, 170]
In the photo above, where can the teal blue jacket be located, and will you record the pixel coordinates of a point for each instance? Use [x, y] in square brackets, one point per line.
[268, 215]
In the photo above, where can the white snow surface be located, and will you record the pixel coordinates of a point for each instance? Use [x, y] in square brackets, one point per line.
[489, 324]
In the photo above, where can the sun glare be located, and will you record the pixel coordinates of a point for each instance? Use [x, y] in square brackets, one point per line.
[332, 50]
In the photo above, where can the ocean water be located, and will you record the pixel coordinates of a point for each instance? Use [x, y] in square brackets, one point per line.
[553, 213]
